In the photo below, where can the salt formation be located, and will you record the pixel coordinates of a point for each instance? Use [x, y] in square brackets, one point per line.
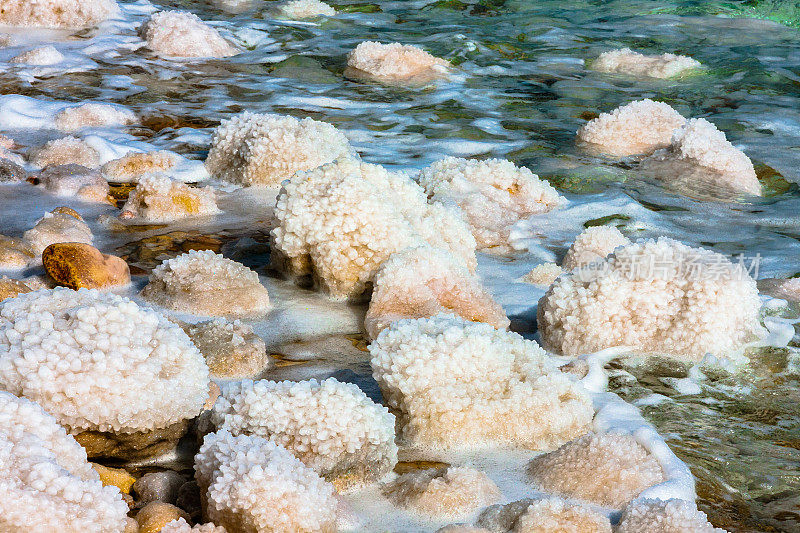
[544, 274]
[60, 225]
[157, 198]
[11, 288]
[546, 515]
[93, 115]
[639, 127]
[131, 167]
[184, 34]
[664, 516]
[657, 296]
[75, 180]
[45, 55]
[462, 384]
[14, 253]
[231, 349]
[340, 222]
[10, 170]
[57, 13]
[592, 244]
[46, 483]
[700, 153]
[493, 193]
[394, 63]
[181, 526]
[98, 361]
[250, 484]
[444, 492]
[65, 151]
[330, 426]
[626, 61]
[607, 469]
[422, 282]
[300, 9]
[205, 283]
[265, 149]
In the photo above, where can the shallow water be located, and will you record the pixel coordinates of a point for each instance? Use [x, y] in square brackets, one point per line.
[521, 92]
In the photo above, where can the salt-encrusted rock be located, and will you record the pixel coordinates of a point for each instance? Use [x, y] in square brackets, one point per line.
[14, 253]
[546, 515]
[265, 149]
[161, 486]
[250, 484]
[131, 167]
[656, 296]
[93, 115]
[46, 483]
[57, 13]
[626, 61]
[181, 526]
[664, 516]
[75, 181]
[340, 222]
[640, 127]
[422, 282]
[11, 288]
[100, 363]
[115, 477]
[544, 274]
[10, 171]
[394, 63]
[207, 284]
[332, 427]
[65, 151]
[157, 198]
[494, 194]
[607, 469]
[155, 515]
[232, 350]
[60, 225]
[445, 492]
[300, 9]
[462, 528]
[592, 244]
[77, 265]
[460, 384]
[42, 56]
[701, 155]
[184, 34]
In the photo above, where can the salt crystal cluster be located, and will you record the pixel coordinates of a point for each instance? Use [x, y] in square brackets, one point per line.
[250, 484]
[656, 296]
[422, 282]
[208, 284]
[99, 362]
[300, 9]
[46, 483]
[184, 34]
[42, 56]
[494, 194]
[65, 151]
[265, 149]
[592, 244]
[181, 526]
[394, 63]
[231, 349]
[15, 254]
[546, 515]
[133, 166]
[57, 13]
[332, 427]
[75, 181]
[664, 516]
[544, 274]
[340, 222]
[60, 225]
[158, 198]
[626, 61]
[93, 115]
[460, 384]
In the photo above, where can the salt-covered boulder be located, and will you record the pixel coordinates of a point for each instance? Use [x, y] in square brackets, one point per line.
[10, 288]
[42, 56]
[75, 181]
[184, 34]
[664, 516]
[232, 349]
[157, 198]
[544, 274]
[394, 63]
[132, 166]
[65, 151]
[93, 115]
[182, 526]
[545, 515]
[592, 244]
[57, 13]
[626, 61]
[60, 225]
[15, 254]
[301, 9]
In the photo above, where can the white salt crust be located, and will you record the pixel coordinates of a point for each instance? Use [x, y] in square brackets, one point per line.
[461, 385]
[181, 526]
[56, 227]
[494, 194]
[98, 361]
[664, 516]
[204, 283]
[545, 515]
[265, 149]
[395, 62]
[626, 61]
[57, 13]
[300, 9]
[42, 56]
[158, 198]
[639, 127]
[544, 274]
[656, 297]
[250, 484]
[133, 166]
[340, 222]
[184, 34]
[46, 483]
[592, 244]
[330, 426]
[231, 349]
[75, 181]
[93, 115]
[65, 151]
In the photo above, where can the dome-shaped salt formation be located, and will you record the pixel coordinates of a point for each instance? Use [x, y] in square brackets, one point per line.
[75, 180]
[60, 225]
[265, 149]
[461, 384]
[607, 469]
[422, 282]
[42, 56]
[394, 63]
[184, 34]
[100, 362]
[700, 154]
[57, 13]
[626, 61]
[65, 151]
[159, 199]
[544, 274]
[546, 515]
[340, 222]
[207, 284]
[639, 127]
[664, 516]
[231, 349]
[131, 167]
[15, 254]
[494, 194]
[592, 244]
[332, 427]
[46, 483]
[93, 115]
[250, 484]
[181, 526]
[300, 9]
[657, 296]
[444, 492]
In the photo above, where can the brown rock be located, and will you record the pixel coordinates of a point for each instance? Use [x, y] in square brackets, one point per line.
[115, 477]
[132, 446]
[77, 265]
[10, 288]
[131, 526]
[159, 486]
[156, 515]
